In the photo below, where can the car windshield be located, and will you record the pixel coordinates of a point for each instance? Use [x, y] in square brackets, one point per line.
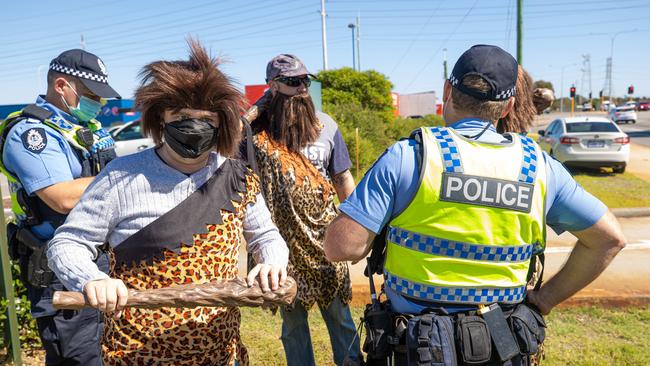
[591, 127]
[625, 109]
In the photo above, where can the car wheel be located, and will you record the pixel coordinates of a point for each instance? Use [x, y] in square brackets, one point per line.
[634, 121]
[619, 169]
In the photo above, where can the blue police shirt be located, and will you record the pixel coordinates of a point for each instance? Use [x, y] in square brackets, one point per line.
[39, 156]
[388, 187]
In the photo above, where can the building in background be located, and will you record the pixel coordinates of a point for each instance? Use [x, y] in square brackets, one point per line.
[255, 92]
[417, 104]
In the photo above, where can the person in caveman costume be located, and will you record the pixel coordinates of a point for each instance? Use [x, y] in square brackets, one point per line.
[172, 215]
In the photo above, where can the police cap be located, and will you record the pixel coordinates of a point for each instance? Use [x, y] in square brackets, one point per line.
[494, 65]
[88, 68]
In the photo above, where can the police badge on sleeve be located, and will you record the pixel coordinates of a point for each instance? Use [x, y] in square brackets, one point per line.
[34, 140]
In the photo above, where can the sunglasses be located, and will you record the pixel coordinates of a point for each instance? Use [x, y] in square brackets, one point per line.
[294, 81]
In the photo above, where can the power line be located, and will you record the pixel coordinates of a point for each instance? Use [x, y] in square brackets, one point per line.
[101, 28]
[146, 28]
[148, 41]
[176, 43]
[553, 13]
[408, 49]
[443, 44]
[508, 24]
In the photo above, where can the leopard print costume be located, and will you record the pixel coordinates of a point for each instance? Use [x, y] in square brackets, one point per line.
[183, 336]
[301, 202]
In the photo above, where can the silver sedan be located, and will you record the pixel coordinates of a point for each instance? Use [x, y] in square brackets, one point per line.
[587, 142]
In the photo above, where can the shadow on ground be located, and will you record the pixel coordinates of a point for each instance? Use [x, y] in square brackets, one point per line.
[592, 172]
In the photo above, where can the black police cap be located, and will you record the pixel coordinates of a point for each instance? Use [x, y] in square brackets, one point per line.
[88, 68]
[494, 65]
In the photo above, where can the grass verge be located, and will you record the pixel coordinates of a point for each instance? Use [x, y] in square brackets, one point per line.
[575, 336]
[615, 190]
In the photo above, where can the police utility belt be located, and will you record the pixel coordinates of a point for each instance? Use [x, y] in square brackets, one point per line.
[487, 335]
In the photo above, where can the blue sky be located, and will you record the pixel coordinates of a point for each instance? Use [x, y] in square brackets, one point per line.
[402, 39]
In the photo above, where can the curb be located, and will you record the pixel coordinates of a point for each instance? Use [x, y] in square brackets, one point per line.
[631, 212]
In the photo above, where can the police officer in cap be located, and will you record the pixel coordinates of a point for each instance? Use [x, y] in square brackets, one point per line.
[465, 210]
[50, 152]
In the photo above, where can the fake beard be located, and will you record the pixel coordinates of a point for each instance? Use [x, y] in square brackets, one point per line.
[292, 121]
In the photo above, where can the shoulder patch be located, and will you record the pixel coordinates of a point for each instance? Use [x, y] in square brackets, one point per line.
[34, 140]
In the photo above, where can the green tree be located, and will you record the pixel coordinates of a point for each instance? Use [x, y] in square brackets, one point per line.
[361, 102]
[369, 89]
[543, 84]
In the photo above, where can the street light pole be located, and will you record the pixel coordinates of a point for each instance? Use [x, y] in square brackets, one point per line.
[444, 63]
[324, 32]
[520, 31]
[611, 59]
[354, 59]
[358, 43]
[562, 87]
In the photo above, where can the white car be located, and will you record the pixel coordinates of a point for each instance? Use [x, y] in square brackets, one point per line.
[631, 104]
[606, 106]
[623, 114]
[587, 142]
[129, 139]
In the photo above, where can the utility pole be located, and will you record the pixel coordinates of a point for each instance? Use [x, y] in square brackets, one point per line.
[358, 42]
[520, 30]
[585, 79]
[324, 32]
[586, 62]
[83, 43]
[354, 60]
[444, 62]
[607, 89]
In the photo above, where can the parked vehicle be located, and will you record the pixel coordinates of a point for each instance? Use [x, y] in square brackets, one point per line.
[587, 107]
[587, 141]
[129, 139]
[623, 114]
[644, 105]
[631, 103]
[606, 106]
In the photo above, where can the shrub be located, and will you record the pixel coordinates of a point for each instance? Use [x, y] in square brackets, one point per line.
[28, 329]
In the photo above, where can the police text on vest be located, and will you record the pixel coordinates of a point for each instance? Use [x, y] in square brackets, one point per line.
[483, 191]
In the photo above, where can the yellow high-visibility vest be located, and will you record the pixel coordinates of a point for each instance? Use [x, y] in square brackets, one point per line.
[68, 130]
[469, 233]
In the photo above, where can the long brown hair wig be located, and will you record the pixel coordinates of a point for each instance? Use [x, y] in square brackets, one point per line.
[194, 84]
[523, 113]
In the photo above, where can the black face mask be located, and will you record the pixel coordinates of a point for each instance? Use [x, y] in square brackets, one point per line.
[190, 137]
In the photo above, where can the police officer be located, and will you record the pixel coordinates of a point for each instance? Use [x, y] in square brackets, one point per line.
[50, 152]
[465, 211]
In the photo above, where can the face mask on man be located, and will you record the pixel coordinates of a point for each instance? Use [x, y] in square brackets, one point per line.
[190, 137]
[86, 109]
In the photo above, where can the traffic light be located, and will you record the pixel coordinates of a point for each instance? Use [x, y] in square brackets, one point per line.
[573, 92]
[589, 95]
[630, 89]
[600, 94]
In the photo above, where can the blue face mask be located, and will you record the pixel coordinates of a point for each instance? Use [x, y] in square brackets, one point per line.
[86, 109]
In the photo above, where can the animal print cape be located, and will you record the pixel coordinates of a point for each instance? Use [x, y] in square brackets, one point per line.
[301, 202]
[196, 242]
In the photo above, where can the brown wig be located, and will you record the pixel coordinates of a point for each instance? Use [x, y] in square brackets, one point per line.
[523, 113]
[290, 120]
[195, 84]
